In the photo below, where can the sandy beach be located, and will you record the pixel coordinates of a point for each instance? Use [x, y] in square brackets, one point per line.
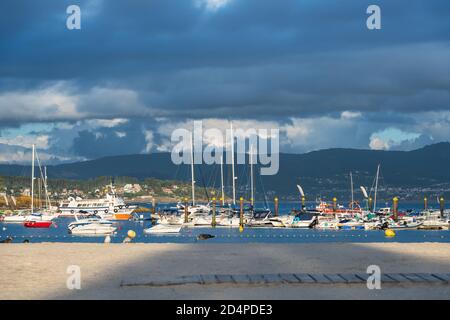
[39, 271]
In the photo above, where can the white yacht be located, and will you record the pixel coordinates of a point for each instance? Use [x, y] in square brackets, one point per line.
[162, 228]
[110, 207]
[298, 221]
[229, 221]
[194, 209]
[435, 223]
[91, 225]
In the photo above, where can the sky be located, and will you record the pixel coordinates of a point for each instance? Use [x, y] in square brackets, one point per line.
[137, 70]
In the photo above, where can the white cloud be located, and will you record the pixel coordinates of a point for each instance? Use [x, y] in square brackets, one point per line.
[53, 102]
[378, 144]
[106, 123]
[22, 155]
[346, 115]
[211, 5]
[390, 137]
[120, 134]
[41, 141]
[148, 140]
[62, 102]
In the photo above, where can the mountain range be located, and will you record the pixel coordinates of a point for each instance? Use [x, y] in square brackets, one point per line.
[326, 169]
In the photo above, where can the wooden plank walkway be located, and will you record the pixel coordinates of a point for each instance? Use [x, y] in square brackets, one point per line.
[289, 278]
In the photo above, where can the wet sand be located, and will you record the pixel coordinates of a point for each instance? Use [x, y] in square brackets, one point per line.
[39, 271]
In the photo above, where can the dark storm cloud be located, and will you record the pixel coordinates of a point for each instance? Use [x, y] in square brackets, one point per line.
[250, 59]
[302, 57]
[119, 140]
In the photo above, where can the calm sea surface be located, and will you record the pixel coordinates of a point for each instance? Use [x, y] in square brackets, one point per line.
[59, 233]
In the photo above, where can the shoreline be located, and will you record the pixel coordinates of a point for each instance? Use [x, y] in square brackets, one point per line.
[39, 270]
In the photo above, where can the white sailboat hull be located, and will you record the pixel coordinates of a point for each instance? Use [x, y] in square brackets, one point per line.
[14, 219]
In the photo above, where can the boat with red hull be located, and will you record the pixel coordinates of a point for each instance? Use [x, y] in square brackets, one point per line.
[37, 224]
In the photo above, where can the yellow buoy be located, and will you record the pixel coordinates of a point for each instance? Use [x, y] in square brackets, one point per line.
[389, 233]
[241, 228]
[131, 234]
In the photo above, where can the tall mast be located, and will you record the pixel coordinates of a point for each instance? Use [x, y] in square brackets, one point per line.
[221, 180]
[251, 175]
[376, 190]
[192, 172]
[351, 187]
[232, 164]
[32, 179]
[44, 182]
[45, 187]
[39, 185]
[47, 197]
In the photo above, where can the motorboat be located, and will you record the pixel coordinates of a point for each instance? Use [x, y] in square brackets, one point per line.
[327, 223]
[401, 224]
[372, 225]
[351, 224]
[435, 223]
[298, 220]
[193, 209]
[259, 218]
[91, 225]
[386, 211]
[229, 221]
[162, 229]
[202, 220]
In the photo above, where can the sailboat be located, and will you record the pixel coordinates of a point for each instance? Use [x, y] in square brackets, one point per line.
[259, 217]
[228, 217]
[18, 217]
[36, 219]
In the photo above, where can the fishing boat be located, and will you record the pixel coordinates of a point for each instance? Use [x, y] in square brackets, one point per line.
[91, 225]
[162, 229]
[326, 208]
